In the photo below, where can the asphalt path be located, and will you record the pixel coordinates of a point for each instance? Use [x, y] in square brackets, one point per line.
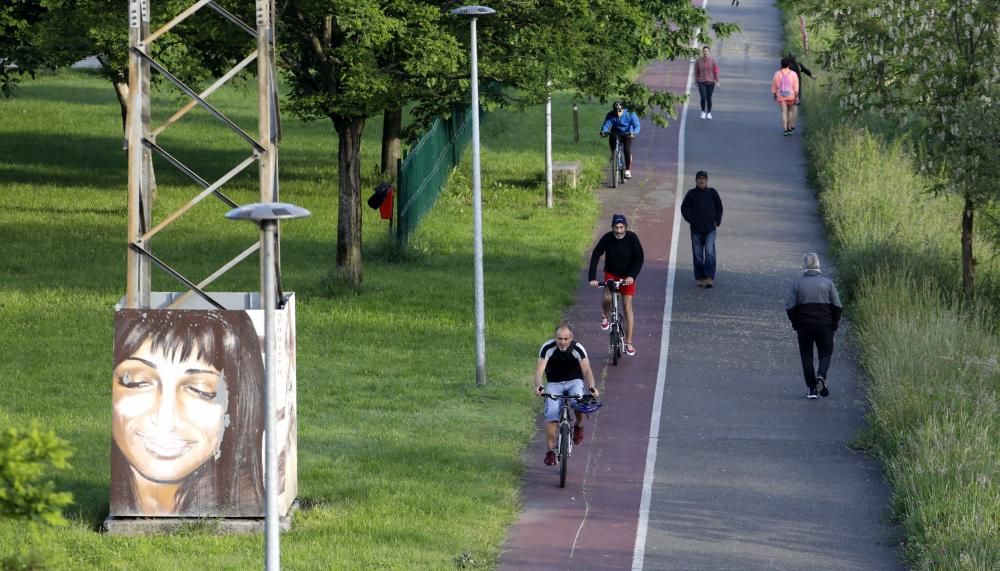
[734, 469]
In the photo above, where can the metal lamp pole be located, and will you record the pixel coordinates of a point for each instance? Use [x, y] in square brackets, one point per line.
[267, 215]
[477, 198]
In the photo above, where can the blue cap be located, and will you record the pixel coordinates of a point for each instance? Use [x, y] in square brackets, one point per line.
[617, 219]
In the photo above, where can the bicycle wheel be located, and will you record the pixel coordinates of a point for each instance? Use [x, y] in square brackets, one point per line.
[614, 171]
[615, 344]
[564, 440]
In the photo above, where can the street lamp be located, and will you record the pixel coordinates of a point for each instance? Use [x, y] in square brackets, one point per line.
[267, 215]
[477, 198]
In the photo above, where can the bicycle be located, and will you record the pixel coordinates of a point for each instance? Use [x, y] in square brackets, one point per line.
[617, 159]
[617, 332]
[564, 432]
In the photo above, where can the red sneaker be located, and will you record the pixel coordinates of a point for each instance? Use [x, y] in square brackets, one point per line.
[577, 435]
[605, 324]
[550, 458]
[629, 349]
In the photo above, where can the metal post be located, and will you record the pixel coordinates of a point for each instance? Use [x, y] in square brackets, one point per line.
[477, 200]
[548, 147]
[576, 123]
[272, 546]
[267, 215]
[477, 221]
[139, 163]
[269, 232]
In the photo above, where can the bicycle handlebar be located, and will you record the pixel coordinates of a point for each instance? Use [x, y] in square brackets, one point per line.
[563, 397]
[568, 397]
[617, 284]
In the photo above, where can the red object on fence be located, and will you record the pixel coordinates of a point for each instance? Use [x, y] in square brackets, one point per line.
[385, 209]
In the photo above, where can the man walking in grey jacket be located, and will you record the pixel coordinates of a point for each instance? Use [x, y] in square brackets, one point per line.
[813, 306]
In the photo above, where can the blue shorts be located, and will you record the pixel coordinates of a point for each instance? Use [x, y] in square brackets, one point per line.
[574, 387]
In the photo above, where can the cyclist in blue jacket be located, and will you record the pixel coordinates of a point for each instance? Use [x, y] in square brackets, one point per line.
[623, 125]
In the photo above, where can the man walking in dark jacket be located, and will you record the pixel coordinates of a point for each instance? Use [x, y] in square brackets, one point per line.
[622, 261]
[813, 307]
[702, 209]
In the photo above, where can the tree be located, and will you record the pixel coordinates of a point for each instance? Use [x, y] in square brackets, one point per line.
[19, 42]
[591, 46]
[347, 60]
[56, 33]
[934, 65]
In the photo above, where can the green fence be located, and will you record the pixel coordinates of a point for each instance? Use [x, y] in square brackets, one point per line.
[425, 169]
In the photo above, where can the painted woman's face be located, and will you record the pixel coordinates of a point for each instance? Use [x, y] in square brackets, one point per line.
[168, 415]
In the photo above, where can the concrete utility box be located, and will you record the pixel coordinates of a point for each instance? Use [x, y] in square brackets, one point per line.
[188, 408]
[567, 173]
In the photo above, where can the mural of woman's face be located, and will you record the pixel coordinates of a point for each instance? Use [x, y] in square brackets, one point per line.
[168, 414]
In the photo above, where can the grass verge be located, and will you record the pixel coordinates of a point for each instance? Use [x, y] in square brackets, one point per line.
[404, 462]
[932, 360]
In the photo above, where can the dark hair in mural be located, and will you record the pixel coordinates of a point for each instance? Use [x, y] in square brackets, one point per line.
[230, 481]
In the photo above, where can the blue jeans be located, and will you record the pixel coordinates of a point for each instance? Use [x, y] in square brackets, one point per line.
[705, 91]
[703, 248]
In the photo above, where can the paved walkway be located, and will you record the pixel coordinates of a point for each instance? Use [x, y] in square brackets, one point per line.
[743, 472]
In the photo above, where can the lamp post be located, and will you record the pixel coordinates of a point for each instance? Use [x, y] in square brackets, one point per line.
[267, 215]
[477, 199]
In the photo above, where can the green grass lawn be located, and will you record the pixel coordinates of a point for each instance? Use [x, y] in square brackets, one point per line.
[403, 462]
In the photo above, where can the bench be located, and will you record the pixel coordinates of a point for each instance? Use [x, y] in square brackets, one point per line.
[566, 172]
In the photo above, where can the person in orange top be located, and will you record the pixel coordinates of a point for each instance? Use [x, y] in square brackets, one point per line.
[785, 89]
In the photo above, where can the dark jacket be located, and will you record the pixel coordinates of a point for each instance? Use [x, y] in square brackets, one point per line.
[702, 209]
[622, 257]
[799, 69]
[813, 302]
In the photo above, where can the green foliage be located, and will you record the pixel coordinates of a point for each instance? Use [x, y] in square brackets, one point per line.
[26, 454]
[969, 162]
[353, 59]
[932, 65]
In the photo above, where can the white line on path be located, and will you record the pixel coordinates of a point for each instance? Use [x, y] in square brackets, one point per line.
[639, 553]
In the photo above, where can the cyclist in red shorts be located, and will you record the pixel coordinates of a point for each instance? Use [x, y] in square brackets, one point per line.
[623, 256]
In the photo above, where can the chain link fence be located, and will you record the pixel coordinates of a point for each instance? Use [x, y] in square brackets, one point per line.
[425, 169]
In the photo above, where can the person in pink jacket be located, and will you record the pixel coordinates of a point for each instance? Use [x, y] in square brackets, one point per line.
[707, 76]
[785, 89]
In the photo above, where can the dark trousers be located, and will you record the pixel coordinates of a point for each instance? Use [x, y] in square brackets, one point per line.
[705, 91]
[626, 148]
[822, 339]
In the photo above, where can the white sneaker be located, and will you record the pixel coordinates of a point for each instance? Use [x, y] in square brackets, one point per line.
[703, 114]
[709, 115]
[628, 174]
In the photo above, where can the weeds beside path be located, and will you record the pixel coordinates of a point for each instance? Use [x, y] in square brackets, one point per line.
[931, 358]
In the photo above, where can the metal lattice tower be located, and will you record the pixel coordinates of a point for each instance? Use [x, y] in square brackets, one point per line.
[263, 148]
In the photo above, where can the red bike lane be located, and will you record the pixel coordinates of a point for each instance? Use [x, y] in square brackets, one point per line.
[591, 523]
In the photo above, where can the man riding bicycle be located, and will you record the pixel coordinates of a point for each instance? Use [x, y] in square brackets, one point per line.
[623, 125]
[565, 365]
[623, 258]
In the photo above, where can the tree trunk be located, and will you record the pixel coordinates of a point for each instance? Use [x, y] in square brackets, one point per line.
[121, 90]
[349, 268]
[968, 261]
[392, 125]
